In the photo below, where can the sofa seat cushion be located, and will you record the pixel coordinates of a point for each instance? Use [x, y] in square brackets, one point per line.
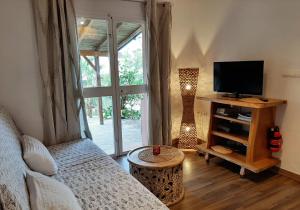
[97, 181]
[12, 167]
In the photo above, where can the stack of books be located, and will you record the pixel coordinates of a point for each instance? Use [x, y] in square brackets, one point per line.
[244, 116]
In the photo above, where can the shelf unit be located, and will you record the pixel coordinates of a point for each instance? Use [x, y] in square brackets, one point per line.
[233, 137]
[240, 160]
[231, 119]
[258, 157]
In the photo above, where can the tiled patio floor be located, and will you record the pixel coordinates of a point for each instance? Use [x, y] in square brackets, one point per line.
[103, 135]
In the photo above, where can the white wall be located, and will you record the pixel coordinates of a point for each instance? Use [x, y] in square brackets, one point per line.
[131, 10]
[20, 86]
[20, 83]
[205, 31]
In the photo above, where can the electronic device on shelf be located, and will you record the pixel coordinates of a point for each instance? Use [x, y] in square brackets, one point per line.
[244, 116]
[233, 128]
[249, 142]
[226, 111]
[221, 111]
[239, 77]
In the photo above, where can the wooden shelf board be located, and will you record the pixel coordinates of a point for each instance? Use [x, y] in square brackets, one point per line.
[231, 119]
[240, 160]
[240, 102]
[234, 137]
[264, 164]
[232, 157]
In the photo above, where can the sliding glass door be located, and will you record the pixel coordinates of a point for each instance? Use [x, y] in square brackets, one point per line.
[115, 82]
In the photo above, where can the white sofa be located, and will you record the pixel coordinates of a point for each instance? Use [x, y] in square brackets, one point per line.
[96, 180]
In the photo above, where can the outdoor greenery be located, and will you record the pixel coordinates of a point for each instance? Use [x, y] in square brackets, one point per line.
[130, 59]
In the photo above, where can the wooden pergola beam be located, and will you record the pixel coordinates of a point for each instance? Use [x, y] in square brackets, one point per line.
[100, 106]
[130, 37]
[120, 45]
[98, 47]
[96, 68]
[93, 53]
[90, 62]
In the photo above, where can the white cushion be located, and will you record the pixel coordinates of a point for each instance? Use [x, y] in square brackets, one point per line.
[12, 165]
[37, 156]
[47, 193]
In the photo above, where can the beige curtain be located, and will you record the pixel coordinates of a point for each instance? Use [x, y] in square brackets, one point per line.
[159, 31]
[63, 107]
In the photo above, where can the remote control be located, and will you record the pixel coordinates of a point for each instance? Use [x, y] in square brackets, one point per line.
[263, 99]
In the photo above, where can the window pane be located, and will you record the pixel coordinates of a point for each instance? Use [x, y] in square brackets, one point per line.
[100, 120]
[134, 121]
[94, 51]
[130, 53]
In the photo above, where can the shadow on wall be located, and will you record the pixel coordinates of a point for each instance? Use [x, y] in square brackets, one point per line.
[191, 55]
[207, 31]
[238, 34]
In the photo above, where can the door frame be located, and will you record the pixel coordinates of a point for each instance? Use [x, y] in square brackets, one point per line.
[125, 90]
[115, 90]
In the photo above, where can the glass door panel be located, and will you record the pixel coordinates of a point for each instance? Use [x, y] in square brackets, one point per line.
[94, 52]
[115, 82]
[96, 77]
[134, 117]
[132, 85]
[130, 53]
[100, 120]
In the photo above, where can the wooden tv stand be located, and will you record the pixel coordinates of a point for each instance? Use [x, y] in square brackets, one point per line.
[258, 157]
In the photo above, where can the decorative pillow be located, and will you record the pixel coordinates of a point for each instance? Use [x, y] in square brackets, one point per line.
[7, 200]
[12, 165]
[37, 156]
[47, 193]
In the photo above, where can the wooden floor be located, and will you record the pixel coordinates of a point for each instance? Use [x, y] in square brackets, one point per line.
[219, 186]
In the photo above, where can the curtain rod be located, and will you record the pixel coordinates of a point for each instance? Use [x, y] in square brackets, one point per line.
[144, 1]
[140, 1]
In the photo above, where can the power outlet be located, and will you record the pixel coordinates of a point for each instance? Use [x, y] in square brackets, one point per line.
[203, 114]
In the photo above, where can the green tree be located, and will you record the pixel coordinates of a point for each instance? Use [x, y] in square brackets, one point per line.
[130, 73]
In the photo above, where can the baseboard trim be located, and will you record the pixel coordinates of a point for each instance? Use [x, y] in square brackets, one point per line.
[286, 173]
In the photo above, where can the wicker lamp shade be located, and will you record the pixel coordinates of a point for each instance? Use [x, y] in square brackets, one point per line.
[188, 78]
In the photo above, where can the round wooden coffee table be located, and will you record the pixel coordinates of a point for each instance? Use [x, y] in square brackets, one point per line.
[162, 174]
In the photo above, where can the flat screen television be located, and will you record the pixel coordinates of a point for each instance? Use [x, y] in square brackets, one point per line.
[239, 77]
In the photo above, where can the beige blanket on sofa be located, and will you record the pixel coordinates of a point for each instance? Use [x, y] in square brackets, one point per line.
[97, 181]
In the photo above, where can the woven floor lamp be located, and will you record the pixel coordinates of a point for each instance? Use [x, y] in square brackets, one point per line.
[188, 78]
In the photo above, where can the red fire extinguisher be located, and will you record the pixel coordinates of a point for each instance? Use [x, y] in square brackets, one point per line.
[275, 139]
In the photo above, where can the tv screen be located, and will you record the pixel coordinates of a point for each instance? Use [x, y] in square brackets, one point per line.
[241, 77]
